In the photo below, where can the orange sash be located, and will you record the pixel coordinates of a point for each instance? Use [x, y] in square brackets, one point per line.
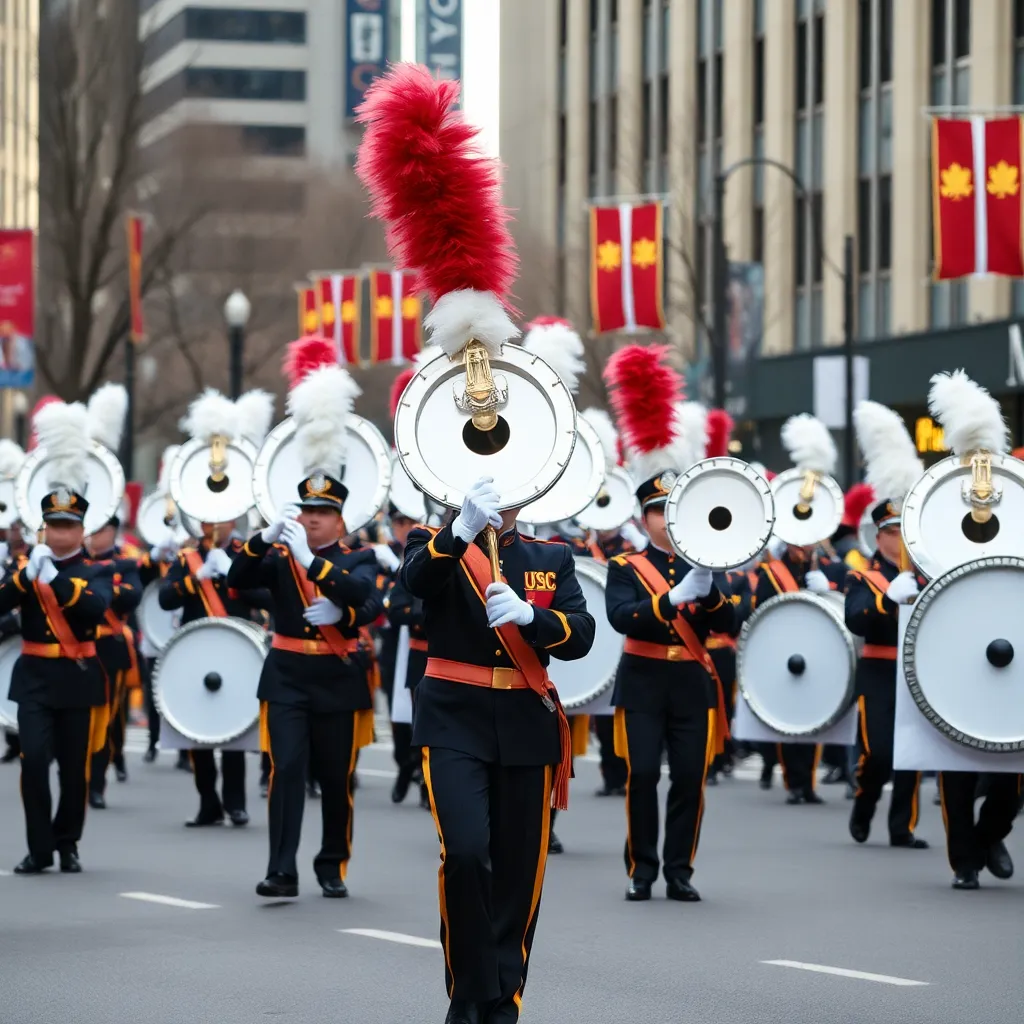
[596, 553]
[657, 583]
[214, 605]
[876, 579]
[783, 576]
[478, 568]
[69, 643]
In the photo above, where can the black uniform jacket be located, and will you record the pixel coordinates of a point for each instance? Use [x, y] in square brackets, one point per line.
[508, 727]
[322, 683]
[403, 609]
[768, 586]
[83, 591]
[646, 684]
[126, 593]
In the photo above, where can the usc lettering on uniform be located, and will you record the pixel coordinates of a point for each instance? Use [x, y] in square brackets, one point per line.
[539, 581]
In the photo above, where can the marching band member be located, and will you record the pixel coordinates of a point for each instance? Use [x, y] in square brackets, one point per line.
[13, 555]
[58, 682]
[314, 692]
[846, 541]
[665, 686]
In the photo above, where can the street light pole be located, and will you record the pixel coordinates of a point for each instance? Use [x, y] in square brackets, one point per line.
[236, 313]
[720, 295]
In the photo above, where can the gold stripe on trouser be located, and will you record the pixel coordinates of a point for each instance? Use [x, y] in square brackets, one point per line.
[814, 766]
[863, 725]
[914, 802]
[264, 728]
[709, 756]
[621, 747]
[99, 723]
[441, 899]
[538, 878]
[351, 797]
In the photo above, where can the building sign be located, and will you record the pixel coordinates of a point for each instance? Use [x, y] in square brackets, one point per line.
[928, 435]
[366, 52]
[17, 309]
[439, 37]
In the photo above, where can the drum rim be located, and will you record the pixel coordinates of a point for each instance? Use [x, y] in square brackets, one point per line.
[11, 725]
[727, 463]
[594, 482]
[844, 706]
[827, 481]
[153, 587]
[910, 674]
[155, 497]
[249, 629]
[616, 473]
[191, 448]
[426, 380]
[404, 510]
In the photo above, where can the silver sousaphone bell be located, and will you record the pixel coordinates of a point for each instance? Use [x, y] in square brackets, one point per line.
[614, 505]
[157, 514]
[213, 482]
[808, 506]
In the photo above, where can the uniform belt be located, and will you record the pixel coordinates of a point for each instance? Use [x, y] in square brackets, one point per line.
[415, 644]
[103, 632]
[296, 645]
[717, 641]
[76, 652]
[659, 652]
[883, 651]
[476, 675]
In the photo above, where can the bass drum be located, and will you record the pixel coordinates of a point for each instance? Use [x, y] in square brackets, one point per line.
[157, 625]
[10, 651]
[206, 679]
[157, 514]
[963, 655]
[795, 663]
[585, 686]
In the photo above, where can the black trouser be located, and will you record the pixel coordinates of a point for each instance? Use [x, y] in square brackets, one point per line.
[13, 744]
[326, 742]
[613, 767]
[874, 767]
[113, 748]
[146, 669]
[204, 770]
[967, 840]
[799, 765]
[687, 735]
[49, 734]
[492, 822]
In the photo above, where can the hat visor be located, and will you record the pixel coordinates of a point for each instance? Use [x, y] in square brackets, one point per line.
[889, 521]
[657, 501]
[62, 517]
[321, 503]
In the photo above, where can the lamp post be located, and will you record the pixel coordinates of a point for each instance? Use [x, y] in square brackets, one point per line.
[236, 312]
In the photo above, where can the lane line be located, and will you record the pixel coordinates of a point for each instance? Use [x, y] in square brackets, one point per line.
[404, 940]
[842, 972]
[168, 901]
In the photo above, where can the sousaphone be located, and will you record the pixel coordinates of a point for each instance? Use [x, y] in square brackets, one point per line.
[405, 495]
[157, 514]
[867, 533]
[719, 513]
[614, 505]
[212, 483]
[808, 506]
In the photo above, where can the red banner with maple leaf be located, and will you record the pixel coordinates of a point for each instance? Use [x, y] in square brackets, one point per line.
[627, 267]
[976, 195]
[396, 313]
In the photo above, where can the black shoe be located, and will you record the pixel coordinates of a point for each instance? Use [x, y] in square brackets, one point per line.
[10, 754]
[264, 789]
[400, 790]
[149, 756]
[604, 791]
[681, 890]
[638, 890]
[313, 790]
[333, 888]
[463, 1012]
[766, 776]
[712, 779]
[998, 861]
[555, 844]
[834, 776]
[810, 797]
[97, 801]
[908, 842]
[851, 791]
[121, 774]
[239, 818]
[30, 866]
[966, 879]
[795, 798]
[183, 763]
[727, 769]
[205, 820]
[69, 862]
[937, 800]
[278, 887]
[860, 830]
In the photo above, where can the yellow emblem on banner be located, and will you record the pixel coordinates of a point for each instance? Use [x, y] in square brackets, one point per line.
[1003, 180]
[645, 253]
[410, 308]
[311, 321]
[348, 312]
[609, 256]
[384, 307]
[955, 182]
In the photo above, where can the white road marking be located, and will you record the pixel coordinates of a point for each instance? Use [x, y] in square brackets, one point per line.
[168, 901]
[842, 972]
[4, 874]
[377, 773]
[405, 940]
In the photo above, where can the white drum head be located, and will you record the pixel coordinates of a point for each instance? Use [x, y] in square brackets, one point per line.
[157, 625]
[206, 679]
[614, 505]
[795, 663]
[796, 526]
[405, 495]
[963, 656]
[719, 514]
[867, 533]
[576, 487]
[8, 502]
[193, 491]
[152, 519]
[581, 682]
[10, 651]
[938, 531]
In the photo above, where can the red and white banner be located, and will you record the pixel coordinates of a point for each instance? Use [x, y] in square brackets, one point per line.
[976, 182]
[346, 290]
[626, 296]
[17, 308]
[309, 311]
[396, 315]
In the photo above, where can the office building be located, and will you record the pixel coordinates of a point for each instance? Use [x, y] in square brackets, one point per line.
[19, 113]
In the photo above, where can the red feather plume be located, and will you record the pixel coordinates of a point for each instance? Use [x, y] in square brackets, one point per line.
[547, 321]
[40, 404]
[770, 475]
[646, 390]
[719, 430]
[856, 502]
[398, 385]
[430, 182]
[305, 355]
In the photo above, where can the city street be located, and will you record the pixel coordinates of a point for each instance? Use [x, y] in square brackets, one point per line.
[797, 926]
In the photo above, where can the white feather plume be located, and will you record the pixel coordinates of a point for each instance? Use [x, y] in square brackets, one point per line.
[809, 444]
[971, 418]
[560, 347]
[893, 465]
[164, 485]
[211, 415]
[11, 457]
[691, 419]
[108, 409]
[602, 425]
[320, 406]
[63, 430]
[255, 414]
[464, 314]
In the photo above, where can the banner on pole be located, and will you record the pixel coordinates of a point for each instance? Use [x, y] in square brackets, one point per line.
[366, 52]
[138, 327]
[17, 308]
[439, 37]
[396, 312]
[309, 311]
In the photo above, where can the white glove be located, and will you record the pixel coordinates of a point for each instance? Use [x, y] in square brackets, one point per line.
[5, 551]
[903, 589]
[47, 571]
[217, 564]
[816, 582]
[386, 558]
[165, 548]
[633, 535]
[504, 605]
[40, 553]
[322, 612]
[777, 547]
[272, 533]
[478, 510]
[695, 584]
[294, 535]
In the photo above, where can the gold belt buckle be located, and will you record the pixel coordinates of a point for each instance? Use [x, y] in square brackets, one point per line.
[310, 646]
[675, 653]
[502, 678]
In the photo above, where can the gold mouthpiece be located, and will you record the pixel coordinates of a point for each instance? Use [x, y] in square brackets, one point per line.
[982, 495]
[811, 479]
[170, 510]
[218, 481]
[481, 395]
